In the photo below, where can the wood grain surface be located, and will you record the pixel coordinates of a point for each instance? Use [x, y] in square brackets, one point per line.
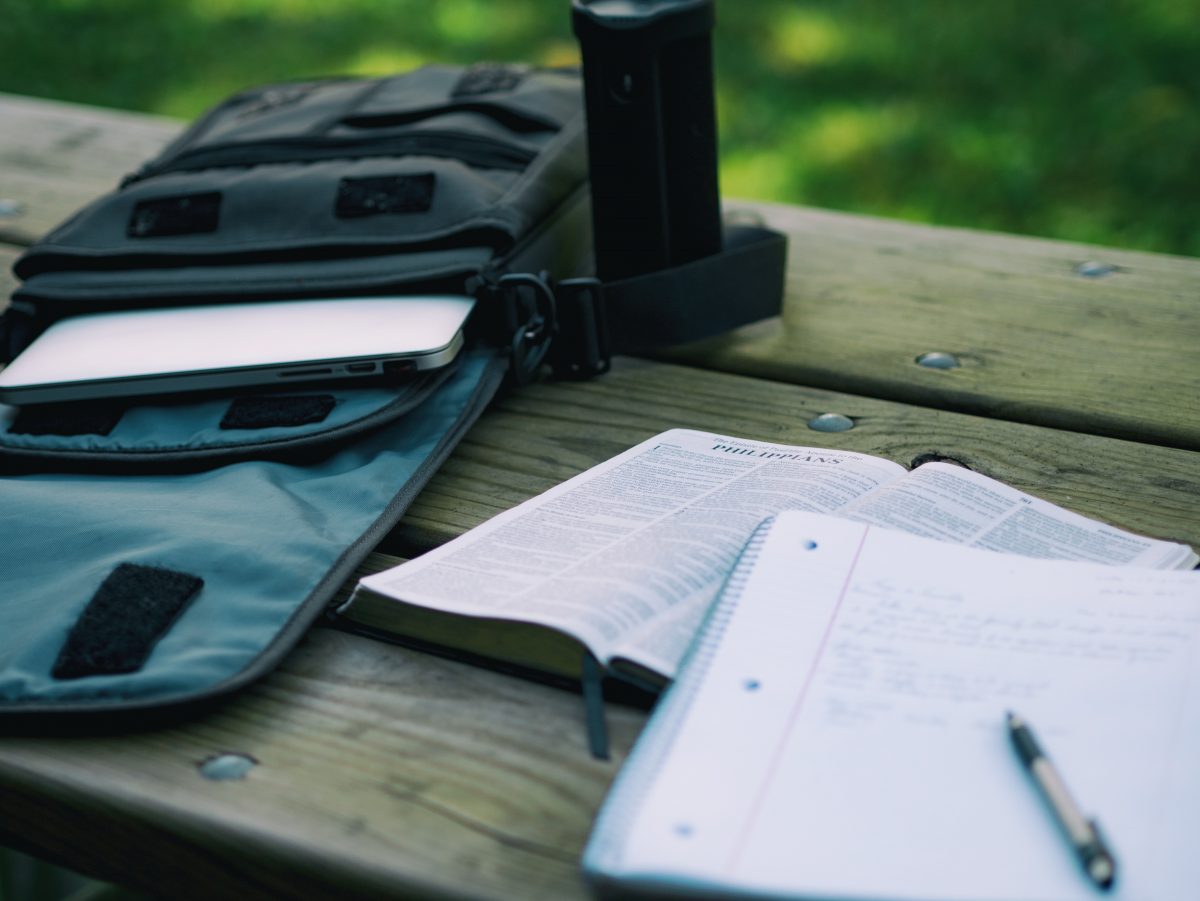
[379, 772]
[534, 438]
[1064, 335]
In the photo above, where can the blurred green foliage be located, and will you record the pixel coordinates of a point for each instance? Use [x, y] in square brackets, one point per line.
[1076, 119]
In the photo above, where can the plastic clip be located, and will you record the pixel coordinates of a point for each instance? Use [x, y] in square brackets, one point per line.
[582, 348]
[531, 309]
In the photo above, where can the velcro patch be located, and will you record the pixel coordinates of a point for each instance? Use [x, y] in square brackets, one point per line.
[489, 78]
[380, 194]
[78, 418]
[268, 411]
[186, 214]
[130, 611]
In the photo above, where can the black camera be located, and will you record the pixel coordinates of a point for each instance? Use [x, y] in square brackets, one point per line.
[652, 132]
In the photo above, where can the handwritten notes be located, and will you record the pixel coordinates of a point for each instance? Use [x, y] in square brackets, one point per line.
[903, 648]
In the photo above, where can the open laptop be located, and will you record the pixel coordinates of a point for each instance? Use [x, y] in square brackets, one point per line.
[219, 346]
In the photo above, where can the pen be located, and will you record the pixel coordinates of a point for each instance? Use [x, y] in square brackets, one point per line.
[1082, 833]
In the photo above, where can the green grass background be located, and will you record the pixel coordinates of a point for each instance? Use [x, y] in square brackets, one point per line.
[1076, 119]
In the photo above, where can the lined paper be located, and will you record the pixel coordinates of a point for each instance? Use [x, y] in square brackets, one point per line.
[842, 734]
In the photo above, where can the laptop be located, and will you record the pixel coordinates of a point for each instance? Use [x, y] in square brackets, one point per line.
[223, 346]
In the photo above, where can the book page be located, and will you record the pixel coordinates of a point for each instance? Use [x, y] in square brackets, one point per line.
[838, 730]
[940, 500]
[628, 555]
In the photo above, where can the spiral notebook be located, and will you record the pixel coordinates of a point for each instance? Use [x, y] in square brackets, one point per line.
[837, 729]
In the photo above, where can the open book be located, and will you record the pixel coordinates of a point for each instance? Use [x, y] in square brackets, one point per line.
[837, 730]
[625, 558]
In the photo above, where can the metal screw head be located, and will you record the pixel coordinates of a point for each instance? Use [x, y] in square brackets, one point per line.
[227, 766]
[1093, 269]
[831, 422]
[938, 360]
[739, 216]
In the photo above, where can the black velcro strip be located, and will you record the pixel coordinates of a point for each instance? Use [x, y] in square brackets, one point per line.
[186, 214]
[380, 194]
[130, 611]
[489, 78]
[82, 418]
[267, 411]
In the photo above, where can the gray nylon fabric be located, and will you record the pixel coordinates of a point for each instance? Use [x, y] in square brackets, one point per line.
[279, 225]
[261, 535]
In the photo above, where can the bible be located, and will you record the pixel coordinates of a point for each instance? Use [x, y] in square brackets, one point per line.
[624, 559]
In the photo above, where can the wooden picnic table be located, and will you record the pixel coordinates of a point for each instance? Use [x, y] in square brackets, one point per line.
[1069, 371]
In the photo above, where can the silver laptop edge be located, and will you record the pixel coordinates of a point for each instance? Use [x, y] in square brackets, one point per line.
[250, 377]
[17, 387]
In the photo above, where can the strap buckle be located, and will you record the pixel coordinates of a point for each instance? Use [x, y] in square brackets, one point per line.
[533, 320]
[582, 348]
[564, 326]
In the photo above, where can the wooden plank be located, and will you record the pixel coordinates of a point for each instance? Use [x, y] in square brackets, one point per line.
[1038, 341]
[380, 772]
[8, 282]
[544, 433]
[55, 157]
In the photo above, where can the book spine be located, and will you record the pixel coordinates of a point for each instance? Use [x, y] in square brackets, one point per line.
[602, 858]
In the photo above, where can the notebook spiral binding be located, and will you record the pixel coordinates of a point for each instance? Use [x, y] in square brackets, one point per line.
[645, 760]
[713, 629]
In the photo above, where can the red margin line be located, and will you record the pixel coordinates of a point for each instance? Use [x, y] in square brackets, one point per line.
[773, 767]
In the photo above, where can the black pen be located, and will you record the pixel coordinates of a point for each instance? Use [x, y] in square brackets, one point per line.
[1082, 833]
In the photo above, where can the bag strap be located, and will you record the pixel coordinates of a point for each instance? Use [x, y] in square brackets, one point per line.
[578, 324]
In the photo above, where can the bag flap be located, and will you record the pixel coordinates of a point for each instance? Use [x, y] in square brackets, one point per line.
[336, 170]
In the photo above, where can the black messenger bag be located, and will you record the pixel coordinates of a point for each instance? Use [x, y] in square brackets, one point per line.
[162, 550]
